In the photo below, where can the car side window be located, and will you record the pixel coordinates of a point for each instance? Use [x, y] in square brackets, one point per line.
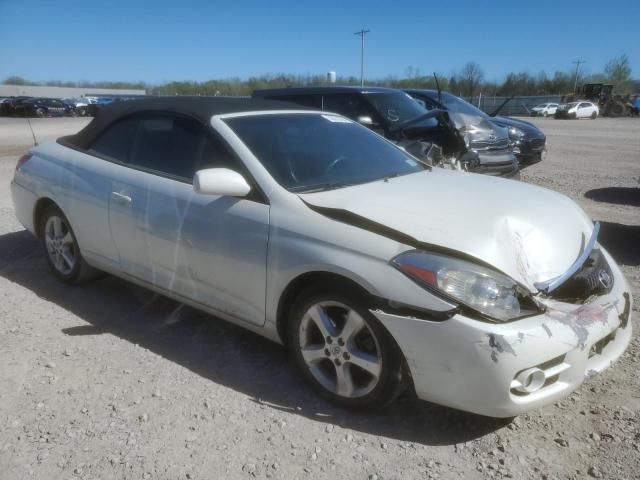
[167, 144]
[584, 105]
[214, 154]
[351, 106]
[115, 142]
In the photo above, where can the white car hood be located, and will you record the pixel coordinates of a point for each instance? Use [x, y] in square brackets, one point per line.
[530, 233]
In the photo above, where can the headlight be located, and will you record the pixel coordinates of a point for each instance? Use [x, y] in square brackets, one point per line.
[486, 291]
[515, 133]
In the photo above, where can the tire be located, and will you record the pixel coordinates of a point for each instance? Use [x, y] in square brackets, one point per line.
[545, 114]
[41, 113]
[61, 249]
[593, 116]
[362, 372]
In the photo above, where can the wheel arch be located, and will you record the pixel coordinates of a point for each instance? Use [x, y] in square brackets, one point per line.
[308, 279]
[41, 205]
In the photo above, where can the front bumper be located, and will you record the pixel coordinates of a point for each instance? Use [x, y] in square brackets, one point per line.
[472, 365]
[530, 150]
[501, 164]
[564, 114]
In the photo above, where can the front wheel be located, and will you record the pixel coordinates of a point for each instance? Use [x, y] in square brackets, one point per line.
[61, 248]
[344, 352]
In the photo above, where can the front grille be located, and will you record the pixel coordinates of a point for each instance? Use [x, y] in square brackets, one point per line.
[501, 144]
[594, 278]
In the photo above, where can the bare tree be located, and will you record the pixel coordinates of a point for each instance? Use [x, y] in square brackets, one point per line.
[470, 78]
[618, 69]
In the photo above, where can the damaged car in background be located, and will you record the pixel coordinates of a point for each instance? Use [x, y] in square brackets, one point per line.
[428, 134]
[311, 230]
[490, 141]
[486, 133]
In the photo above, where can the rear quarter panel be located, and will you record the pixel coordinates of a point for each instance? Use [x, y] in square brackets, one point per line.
[80, 185]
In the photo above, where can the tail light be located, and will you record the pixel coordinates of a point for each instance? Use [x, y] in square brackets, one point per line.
[23, 159]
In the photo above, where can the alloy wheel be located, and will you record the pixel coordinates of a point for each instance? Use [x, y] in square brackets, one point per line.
[340, 349]
[60, 245]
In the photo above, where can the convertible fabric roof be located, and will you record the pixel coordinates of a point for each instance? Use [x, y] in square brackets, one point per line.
[199, 108]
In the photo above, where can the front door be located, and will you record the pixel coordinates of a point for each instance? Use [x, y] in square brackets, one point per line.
[209, 249]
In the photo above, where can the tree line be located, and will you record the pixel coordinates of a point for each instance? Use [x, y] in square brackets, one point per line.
[466, 81]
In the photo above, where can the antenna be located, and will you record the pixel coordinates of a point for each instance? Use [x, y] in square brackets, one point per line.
[35, 142]
[438, 86]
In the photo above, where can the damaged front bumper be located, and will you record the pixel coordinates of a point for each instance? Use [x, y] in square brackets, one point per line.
[502, 370]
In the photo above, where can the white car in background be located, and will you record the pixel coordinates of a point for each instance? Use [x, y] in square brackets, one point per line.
[544, 110]
[577, 110]
[378, 272]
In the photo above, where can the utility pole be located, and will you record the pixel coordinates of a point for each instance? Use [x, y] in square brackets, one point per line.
[575, 82]
[362, 33]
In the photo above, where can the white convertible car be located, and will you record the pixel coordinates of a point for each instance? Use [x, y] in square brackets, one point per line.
[378, 272]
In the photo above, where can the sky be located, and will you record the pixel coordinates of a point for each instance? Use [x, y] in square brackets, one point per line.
[159, 41]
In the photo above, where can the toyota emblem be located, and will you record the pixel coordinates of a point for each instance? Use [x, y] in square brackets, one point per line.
[604, 278]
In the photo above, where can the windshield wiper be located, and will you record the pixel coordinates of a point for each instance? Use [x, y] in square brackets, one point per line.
[321, 187]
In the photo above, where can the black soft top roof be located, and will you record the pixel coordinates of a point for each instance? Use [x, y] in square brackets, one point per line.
[199, 108]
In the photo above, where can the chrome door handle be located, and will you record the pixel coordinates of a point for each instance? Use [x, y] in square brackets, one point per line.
[121, 197]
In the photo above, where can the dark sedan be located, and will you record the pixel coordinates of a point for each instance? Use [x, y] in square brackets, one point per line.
[529, 143]
[42, 107]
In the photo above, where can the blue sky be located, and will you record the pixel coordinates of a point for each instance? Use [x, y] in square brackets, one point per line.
[161, 40]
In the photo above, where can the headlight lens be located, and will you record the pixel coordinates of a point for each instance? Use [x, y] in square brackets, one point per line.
[515, 133]
[484, 290]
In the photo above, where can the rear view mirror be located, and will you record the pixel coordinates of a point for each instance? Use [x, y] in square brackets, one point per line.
[220, 181]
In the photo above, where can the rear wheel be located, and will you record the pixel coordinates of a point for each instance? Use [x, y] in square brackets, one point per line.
[593, 115]
[41, 112]
[344, 352]
[61, 248]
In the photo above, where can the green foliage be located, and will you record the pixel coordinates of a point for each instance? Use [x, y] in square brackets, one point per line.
[467, 81]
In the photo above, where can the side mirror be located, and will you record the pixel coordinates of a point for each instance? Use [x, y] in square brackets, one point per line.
[220, 181]
[365, 120]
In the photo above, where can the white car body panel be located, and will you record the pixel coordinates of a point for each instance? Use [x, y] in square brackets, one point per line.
[235, 258]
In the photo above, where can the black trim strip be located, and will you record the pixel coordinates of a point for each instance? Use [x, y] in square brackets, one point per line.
[358, 221]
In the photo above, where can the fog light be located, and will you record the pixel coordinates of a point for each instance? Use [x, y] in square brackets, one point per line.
[530, 380]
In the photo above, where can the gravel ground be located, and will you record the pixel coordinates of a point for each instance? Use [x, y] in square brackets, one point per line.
[108, 380]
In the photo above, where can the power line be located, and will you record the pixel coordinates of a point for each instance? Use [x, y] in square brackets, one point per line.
[575, 82]
[362, 33]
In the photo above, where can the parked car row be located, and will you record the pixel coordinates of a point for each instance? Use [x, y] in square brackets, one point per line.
[55, 107]
[574, 110]
[379, 272]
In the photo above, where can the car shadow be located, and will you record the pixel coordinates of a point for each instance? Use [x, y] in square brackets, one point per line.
[621, 241]
[616, 195]
[221, 352]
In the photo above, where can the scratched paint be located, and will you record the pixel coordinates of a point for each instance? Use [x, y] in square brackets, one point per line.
[580, 319]
[499, 345]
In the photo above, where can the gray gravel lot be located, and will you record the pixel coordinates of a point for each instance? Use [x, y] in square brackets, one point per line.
[107, 380]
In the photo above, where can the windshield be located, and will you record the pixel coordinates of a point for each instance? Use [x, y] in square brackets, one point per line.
[307, 153]
[458, 105]
[398, 107]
